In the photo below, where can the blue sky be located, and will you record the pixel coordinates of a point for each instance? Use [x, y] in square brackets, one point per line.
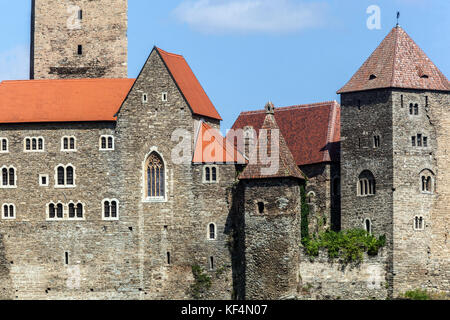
[246, 52]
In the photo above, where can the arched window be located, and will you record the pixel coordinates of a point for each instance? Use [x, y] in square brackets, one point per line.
[61, 180]
[261, 207]
[80, 211]
[8, 177]
[106, 142]
[427, 181]
[65, 176]
[210, 174]
[51, 211]
[155, 177]
[71, 211]
[368, 226]
[59, 211]
[376, 141]
[9, 211]
[366, 184]
[212, 231]
[419, 223]
[110, 209]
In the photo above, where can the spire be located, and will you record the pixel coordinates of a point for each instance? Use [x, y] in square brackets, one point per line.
[287, 168]
[398, 62]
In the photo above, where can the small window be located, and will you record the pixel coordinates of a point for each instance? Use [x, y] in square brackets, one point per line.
[261, 207]
[106, 143]
[416, 109]
[413, 141]
[210, 174]
[366, 184]
[211, 263]
[144, 98]
[427, 182]
[401, 100]
[8, 211]
[66, 258]
[419, 223]
[55, 211]
[164, 96]
[419, 140]
[411, 109]
[65, 176]
[68, 144]
[43, 180]
[8, 177]
[80, 14]
[372, 77]
[3, 145]
[34, 144]
[425, 142]
[376, 141]
[110, 209]
[368, 226]
[168, 258]
[212, 231]
[80, 49]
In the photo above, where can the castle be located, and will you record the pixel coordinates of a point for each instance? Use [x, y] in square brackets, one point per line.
[94, 206]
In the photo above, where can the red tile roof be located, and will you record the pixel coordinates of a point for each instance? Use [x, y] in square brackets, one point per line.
[212, 147]
[398, 62]
[189, 85]
[260, 163]
[31, 101]
[312, 132]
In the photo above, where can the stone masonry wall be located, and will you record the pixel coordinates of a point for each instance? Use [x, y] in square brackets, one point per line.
[322, 279]
[57, 32]
[364, 115]
[272, 239]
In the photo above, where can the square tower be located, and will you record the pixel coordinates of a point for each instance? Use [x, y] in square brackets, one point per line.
[394, 165]
[78, 39]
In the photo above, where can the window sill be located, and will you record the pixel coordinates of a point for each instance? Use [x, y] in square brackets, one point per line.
[8, 187]
[106, 149]
[65, 187]
[110, 219]
[155, 200]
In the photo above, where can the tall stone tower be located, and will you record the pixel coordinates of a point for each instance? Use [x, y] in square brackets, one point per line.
[270, 219]
[394, 161]
[78, 39]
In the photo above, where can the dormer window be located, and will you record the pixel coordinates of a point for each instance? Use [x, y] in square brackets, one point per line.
[424, 76]
[372, 77]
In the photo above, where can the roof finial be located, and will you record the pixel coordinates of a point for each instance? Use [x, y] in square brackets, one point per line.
[398, 17]
[270, 109]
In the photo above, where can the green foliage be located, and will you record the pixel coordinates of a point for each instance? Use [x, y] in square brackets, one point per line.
[417, 295]
[348, 245]
[201, 284]
[304, 214]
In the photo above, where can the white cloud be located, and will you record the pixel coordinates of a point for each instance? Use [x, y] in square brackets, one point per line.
[14, 63]
[251, 16]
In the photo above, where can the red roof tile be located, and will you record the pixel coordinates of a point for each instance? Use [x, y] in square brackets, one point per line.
[31, 101]
[189, 85]
[398, 62]
[312, 132]
[260, 162]
[212, 147]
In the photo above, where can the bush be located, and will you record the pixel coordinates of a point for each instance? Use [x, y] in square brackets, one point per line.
[201, 284]
[417, 295]
[348, 245]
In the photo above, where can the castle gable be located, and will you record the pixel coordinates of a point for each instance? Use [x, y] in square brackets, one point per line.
[398, 62]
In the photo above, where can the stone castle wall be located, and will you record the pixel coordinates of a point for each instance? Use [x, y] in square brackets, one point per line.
[57, 32]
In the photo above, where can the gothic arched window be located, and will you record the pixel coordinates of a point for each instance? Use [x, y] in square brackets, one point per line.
[155, 176]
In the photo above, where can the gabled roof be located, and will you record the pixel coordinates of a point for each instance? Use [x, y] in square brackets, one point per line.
[260, 161]
[312, 132]
[74, 100]
[398, 62]
[189, 85]
[212, 147]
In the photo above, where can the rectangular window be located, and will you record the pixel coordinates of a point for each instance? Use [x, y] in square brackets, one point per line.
[80, 49]
[66, 258]
[80, 14]
[413, 140]
[425, 141]
[419, 140]
[164, 96]
[43, 180]
[3, 145]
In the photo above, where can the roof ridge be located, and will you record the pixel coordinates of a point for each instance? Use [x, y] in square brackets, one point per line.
[169, 53]
[64, 80]
[394, 62]
[299, 106]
